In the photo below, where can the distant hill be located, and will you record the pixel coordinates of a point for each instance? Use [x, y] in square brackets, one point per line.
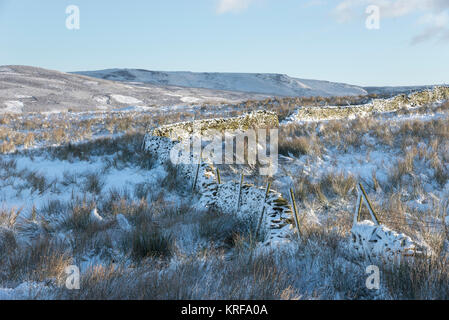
[396, 90]
[262, 83]
[31, 89]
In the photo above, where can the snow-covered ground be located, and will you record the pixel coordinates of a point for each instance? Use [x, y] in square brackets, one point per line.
[16, 191]
[269, 84]
[31, 89]
[131, 223]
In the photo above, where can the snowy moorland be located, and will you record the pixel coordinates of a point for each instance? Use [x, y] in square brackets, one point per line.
[79, 189]
[31, 89]
[263, 83]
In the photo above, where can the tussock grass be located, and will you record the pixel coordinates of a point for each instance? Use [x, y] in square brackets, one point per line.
[171, 251]
[147, 240]
[94, 183]
[41, 260]
[228, 230]
[338, 184]
[299, 146]
[418, 279]
[242, 278]
[8, 242]
[174, 180]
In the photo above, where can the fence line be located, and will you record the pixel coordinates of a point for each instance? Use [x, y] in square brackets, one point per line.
[263, 209]
[370, 207]
[218, 176]
[240, 192]
[196, 175]
[295, 210]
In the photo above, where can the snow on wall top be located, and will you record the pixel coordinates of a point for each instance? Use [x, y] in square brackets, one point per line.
[416, 99]
[179, 131]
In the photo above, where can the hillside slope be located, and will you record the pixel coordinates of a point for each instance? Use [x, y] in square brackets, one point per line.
[31, 89]
[263, 83]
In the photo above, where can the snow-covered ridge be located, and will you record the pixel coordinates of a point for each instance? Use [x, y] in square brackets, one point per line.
[29, 89]
[263, 83]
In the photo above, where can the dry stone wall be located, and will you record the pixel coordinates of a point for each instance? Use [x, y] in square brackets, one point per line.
[183, 130]
[417, 99]
[277, 217]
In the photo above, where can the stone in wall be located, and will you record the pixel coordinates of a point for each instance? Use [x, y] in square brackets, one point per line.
[224, 197]
[417, 99]
[278, 214]
[183, 130]
[376, 241]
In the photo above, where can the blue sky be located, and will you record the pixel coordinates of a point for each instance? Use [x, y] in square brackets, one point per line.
[314, 39]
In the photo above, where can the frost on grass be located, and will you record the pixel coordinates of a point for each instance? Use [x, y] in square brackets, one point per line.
[132, 223]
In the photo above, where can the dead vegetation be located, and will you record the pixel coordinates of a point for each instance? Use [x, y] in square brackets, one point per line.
[173, 251]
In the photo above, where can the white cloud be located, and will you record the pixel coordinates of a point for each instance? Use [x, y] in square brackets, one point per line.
[434, 14]
[225, 6]
[437, 26]
[437, 20]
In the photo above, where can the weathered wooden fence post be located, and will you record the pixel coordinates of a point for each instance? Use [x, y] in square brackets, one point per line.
[295, 210]
[370, 207]
[196, 175]
[218, 176]
[240, 192]
[358, 208]
[259, 225]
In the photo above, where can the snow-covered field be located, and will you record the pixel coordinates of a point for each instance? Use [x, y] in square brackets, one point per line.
[84, 193]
